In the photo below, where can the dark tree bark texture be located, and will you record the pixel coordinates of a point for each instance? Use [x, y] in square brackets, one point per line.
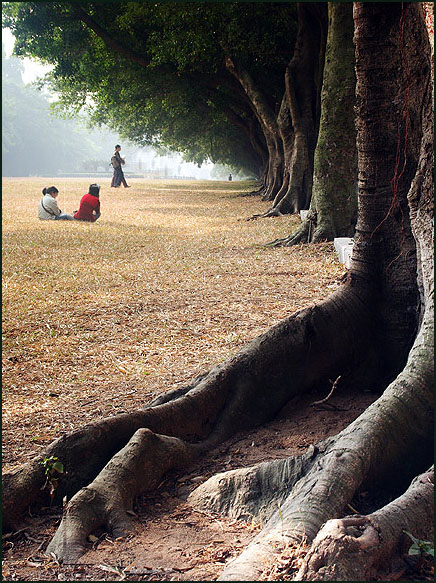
[294, 131]
[267, 120]
[303, 81]
[376, 332]
[357, 548]
[333, 206]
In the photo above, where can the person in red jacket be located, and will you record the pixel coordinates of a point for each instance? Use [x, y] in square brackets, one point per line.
[89, 209]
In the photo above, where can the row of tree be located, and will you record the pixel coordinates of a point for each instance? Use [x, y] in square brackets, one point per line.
[374, 333]
[237, 83]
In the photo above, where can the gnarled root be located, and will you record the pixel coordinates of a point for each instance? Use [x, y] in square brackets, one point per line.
[272, 212]
[259, 192]
[256, 491]
[301, 235]
[136, 468]
[93, 445]
[353, 548]
[246, 390]
[344, 463]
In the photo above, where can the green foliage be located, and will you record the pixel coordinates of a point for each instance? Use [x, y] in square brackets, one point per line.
[52, 467]
[420, 547]
[156, 74]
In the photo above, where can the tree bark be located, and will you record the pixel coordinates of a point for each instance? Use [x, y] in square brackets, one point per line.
[303, 82]
[376, 331]
[268, 122]
[398, 427]
[292, 134]
[354, 548]
[390, 440]
[333, 207]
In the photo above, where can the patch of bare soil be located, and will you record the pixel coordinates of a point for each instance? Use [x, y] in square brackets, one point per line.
[172, 541]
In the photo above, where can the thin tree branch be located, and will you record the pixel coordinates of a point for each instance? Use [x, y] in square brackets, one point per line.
[323, 402]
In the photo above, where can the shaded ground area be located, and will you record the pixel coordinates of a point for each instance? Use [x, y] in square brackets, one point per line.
[173, 541]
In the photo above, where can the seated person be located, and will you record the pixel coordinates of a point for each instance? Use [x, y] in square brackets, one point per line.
[89, 209]
[48, 207]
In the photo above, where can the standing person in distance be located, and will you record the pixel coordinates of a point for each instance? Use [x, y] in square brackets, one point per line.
[48, 207]
[89, 209]
[117, 163]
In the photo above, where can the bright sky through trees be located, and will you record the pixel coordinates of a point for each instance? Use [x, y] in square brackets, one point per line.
[32, 69]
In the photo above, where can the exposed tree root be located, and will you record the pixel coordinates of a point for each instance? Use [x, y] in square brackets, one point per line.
[301, 235]
[245, 391]
[256, 491]
[86, 451]
[272, 212]
[366, 453]
[308, 232]
[136, 468]
[258, 192]
[354, 548]
[109, 462]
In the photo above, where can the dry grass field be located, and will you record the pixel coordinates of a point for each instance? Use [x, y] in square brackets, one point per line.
[100, 318]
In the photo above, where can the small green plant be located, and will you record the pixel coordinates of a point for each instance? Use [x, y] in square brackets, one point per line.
[420, 547]
[52, 467]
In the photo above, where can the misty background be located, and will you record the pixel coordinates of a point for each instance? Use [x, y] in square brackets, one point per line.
[37, 143]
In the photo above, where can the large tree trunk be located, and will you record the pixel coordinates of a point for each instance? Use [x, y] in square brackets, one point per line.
[333, 208]
[376, 331]
[297, 123]
[268, 122]
[288, 140]
[286, 133]
[303, 81]
[393, 438]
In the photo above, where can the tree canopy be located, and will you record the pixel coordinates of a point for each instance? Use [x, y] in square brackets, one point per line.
[156, 72]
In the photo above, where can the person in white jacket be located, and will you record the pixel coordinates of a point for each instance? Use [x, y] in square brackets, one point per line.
[48, 207]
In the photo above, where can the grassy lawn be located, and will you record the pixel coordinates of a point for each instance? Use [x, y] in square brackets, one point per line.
[99, 318]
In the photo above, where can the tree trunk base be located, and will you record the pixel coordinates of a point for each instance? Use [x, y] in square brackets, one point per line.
[259, 192]
[301, 235]
[272, 212]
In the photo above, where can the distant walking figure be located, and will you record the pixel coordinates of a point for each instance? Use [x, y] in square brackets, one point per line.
[230, 177]
[89, 209]
[48, 209]
[117, 162]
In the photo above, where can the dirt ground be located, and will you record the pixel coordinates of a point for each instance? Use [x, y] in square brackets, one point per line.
[173, 541]
[190, 286]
